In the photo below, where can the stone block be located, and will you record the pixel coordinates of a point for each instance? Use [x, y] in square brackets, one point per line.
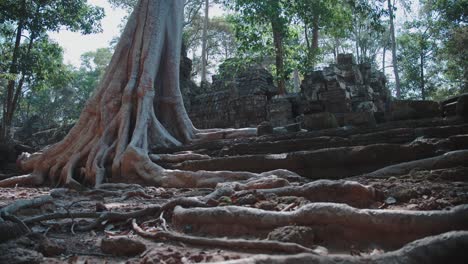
[265, 128]
[359, 119]
[345, 59]
[320, 121]
[462, 106]
[407, 109]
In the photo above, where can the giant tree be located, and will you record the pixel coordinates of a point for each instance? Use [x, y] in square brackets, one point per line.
[137, 108]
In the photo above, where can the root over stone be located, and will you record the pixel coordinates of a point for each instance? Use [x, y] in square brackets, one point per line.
[336, 225]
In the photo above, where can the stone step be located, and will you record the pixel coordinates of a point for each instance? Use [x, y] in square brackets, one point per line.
[332, 163]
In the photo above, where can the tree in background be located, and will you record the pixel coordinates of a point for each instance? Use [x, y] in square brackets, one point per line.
[257, 15]
[204, 59]
[433, 52]
[31, 21]
[417, 65]
[318, 19]
[449, 20]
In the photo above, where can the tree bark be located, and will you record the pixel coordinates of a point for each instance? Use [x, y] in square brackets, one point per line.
[8, 104]
[315, 33]
[279, 52]
[384, 53]
[423, 84]
[394, 52]
[204, 42]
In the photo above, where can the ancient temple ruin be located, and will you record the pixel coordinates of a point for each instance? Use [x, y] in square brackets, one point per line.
[346, 92]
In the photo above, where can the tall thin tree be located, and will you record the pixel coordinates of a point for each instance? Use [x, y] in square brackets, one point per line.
[391, 7]
[204, 43]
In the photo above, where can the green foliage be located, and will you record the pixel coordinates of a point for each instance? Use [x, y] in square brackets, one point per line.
[30, 61]
[40, 16]
[439, 36]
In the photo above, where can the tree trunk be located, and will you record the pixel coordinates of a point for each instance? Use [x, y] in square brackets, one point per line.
[394, 52]
[384, 53]
[204, 43]
[306, 34]
[136, 108]
[19, 87]
[297, 81]
[8, 104]
[315, 33]
[279, 51]
[423, 84]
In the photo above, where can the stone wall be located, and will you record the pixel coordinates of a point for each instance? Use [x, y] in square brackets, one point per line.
[347, 87]
[222, 110]
[233, 100]
[247, 98]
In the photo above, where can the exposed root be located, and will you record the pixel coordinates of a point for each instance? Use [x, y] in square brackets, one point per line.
[215, 134]
[351, 193]
[23, 180]
[12, 227]
[22, 204]
[242, 244]
[448, 160]
[116, 216]
[347, 224]
[266, 182]
[178, 157]
[348, 192]
[446, 248]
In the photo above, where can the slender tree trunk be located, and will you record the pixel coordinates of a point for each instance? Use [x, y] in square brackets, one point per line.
[19, 87]
[204, 43]
[279, 51]
[357, 34]
[394, 50]
[315, 33]
[297, 81]
[384, 53]
[8, 104]
[336, 49]
[306, 34]
[423, 84]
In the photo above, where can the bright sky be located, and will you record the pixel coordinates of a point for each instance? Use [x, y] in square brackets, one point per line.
[75, 44]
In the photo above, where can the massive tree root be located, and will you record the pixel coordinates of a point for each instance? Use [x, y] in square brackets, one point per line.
[446, 248]
[348, 192]
[251, 245]
[137, 107]
[447, 160]
[336, 225]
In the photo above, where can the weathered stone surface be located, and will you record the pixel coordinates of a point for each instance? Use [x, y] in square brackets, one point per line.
[406, 109]
[296, 127]
[345, 59]
[359, 119]
[280, 111]
[331, 163]
[347, 87]
[10, 230]
[16, 255]
[265, 128]
[319, 121]
[462, 106]
[122, 246]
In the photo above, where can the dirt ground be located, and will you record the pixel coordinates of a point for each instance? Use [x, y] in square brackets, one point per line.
[419, 190]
